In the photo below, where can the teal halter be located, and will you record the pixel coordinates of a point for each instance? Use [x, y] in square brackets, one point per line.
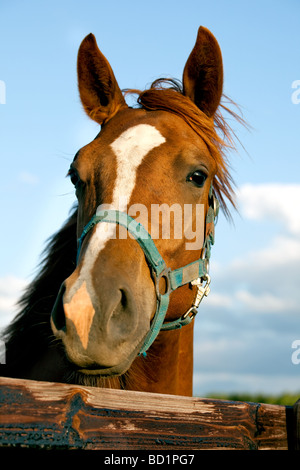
[194, 273]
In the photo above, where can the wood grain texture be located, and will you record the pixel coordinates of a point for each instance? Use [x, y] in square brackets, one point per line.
[54, 415]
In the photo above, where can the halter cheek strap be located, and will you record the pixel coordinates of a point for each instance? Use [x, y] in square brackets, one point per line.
[195, 273]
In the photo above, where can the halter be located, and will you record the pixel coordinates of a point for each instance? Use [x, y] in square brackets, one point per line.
[195, 273]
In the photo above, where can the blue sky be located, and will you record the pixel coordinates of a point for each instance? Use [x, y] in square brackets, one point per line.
[246, 327]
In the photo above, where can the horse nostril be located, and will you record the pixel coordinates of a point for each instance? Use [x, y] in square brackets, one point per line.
[124, 301]
[58, 314]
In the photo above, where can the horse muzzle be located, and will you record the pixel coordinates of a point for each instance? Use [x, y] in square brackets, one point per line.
[101, 334]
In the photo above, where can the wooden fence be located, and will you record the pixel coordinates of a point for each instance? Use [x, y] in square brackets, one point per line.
[58, 416]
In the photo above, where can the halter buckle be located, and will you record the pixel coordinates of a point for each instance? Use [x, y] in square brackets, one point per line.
[202, 291]
[165, 275]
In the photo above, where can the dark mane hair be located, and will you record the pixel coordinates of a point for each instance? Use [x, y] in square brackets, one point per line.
[167, 95]
[32, 321]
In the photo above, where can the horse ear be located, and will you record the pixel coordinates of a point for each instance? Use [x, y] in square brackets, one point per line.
[203, 73]
[99, 91]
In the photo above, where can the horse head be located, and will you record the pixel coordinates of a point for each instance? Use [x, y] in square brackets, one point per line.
[156, 168]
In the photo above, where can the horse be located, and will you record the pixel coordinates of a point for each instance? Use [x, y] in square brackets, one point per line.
[114, 301]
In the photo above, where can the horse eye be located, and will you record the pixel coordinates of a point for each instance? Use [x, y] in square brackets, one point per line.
[74, 177]
[198, 178]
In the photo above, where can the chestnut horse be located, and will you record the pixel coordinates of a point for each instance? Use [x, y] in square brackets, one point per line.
[126, 299]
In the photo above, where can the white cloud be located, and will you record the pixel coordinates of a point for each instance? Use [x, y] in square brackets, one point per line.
[272, 201]
[260, 281]
[11, 289]
[280, 258]
[244, 300]
[265, 302]
[10, 284]
[220, 300]
[244, 333]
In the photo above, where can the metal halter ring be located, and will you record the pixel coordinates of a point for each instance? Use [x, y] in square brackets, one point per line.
[202, 291]
[163, 275]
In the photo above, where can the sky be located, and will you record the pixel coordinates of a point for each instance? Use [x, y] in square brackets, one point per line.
[247, 332]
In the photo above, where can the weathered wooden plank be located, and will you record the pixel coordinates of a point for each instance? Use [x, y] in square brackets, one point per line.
[53, 415]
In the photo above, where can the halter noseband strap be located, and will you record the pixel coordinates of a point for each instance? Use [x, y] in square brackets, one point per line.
[195, 273]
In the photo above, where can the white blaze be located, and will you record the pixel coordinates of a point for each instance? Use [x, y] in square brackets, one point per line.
[130, 149]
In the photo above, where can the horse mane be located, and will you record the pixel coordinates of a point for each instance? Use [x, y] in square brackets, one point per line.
[30, 334]
[167, 95]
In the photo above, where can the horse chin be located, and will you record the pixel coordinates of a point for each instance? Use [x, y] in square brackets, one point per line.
[117, 370]
[98, 370]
